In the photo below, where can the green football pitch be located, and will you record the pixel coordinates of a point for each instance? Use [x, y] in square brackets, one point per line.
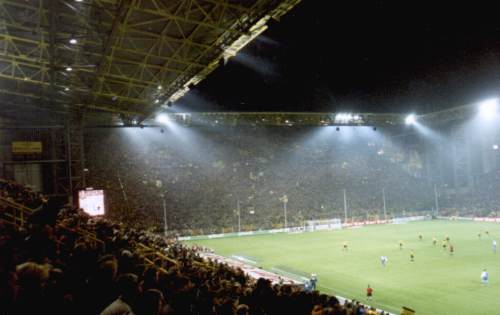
[435, 283]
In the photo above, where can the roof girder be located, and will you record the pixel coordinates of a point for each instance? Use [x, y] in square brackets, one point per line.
[125, 50]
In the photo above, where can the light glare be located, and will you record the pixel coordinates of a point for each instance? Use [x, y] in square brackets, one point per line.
[410, 119]
[345, 118]
[162, 119]
[488, 109]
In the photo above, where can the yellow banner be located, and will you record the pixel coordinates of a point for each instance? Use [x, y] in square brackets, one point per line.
[26, 147]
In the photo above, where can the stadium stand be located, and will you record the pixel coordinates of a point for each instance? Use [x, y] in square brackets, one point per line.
[209, 179]
[236, 165]
[57, 267]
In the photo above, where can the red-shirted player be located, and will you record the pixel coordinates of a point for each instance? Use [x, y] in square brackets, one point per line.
[369, 292]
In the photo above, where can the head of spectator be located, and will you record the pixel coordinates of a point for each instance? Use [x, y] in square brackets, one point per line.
[150, 279]
[128, 287]
[31, 281]
[150, 302]
[317, 309]
[107, 269]
[242, 309]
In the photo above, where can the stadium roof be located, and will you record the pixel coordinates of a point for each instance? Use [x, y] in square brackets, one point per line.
[118, 56]
[458, 113]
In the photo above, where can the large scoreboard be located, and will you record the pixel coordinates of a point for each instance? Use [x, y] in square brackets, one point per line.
[92, 201]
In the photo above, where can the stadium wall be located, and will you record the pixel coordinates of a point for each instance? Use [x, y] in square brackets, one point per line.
[476, 219]
[301, 229]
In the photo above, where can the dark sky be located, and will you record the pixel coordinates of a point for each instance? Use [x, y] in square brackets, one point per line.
[373, 56]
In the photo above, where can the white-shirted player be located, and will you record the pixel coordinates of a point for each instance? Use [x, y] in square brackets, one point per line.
[485, 277]
[383, 260]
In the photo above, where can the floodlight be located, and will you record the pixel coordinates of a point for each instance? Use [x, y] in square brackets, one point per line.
[343, 118]
[488, 108]
[73, 41]
[162, 119]
[410, 119]
[495, 147]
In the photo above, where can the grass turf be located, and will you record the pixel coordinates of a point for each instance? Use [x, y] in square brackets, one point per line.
[435, 283]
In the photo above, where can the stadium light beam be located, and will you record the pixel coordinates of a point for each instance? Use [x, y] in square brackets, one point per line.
[411, 119]
[488, 109]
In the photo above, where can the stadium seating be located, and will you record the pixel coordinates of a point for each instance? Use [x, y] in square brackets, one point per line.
[58, 267]
[203, 183]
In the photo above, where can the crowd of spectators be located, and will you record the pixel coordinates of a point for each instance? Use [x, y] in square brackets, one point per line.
[483, 201]
[20, 194]
[205, 174]
[47, 269]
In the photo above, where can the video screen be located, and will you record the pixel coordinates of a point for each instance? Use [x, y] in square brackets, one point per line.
[92, 201]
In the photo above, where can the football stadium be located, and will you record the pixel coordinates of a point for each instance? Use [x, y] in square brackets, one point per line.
[248, 157]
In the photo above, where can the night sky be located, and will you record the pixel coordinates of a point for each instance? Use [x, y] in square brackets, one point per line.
[364, 56]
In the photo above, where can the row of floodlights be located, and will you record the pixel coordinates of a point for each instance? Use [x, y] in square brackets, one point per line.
[346, 118]
[487, 110]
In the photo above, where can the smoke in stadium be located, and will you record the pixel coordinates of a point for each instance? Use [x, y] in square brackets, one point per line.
[217, 166]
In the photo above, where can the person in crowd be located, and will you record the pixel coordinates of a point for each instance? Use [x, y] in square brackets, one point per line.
[128, 290]
[31, 280]
[150, 302]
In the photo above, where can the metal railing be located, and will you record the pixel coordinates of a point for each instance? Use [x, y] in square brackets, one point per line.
[17, 214]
